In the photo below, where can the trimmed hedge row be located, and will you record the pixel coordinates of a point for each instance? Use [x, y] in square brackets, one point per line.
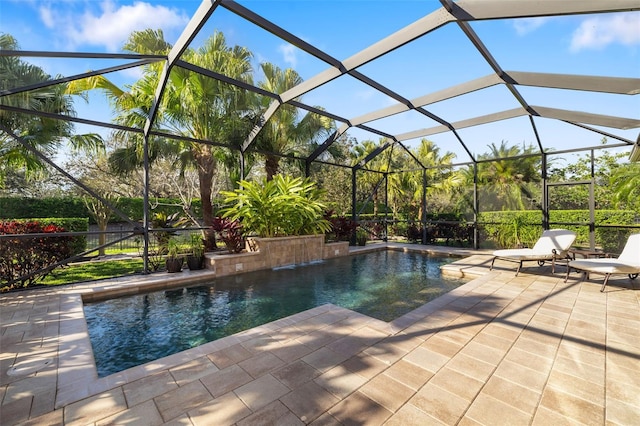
[431, 217]
[31, 208]
[610, 239]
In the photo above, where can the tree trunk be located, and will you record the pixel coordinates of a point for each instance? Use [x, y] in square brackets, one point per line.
[271, 166]
[102, 238]
[375, 202]
[206, 170]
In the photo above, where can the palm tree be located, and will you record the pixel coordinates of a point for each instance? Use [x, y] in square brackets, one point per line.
[193, 105]
[379, 163]
[511, 175]
[625, 184]
[286, 132]
[441, 179]
[43, 134]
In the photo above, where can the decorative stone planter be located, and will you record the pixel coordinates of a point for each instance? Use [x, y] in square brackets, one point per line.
[268, 253]
[336, 249]
[285, 251]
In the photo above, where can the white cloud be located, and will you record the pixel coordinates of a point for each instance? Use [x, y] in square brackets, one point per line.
[46, 16]
[597, 33]
[366, 95]
[133, 73]
[527, 25]
[112, 24]
[289, 54]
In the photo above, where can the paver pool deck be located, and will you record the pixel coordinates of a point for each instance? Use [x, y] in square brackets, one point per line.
[498, 350]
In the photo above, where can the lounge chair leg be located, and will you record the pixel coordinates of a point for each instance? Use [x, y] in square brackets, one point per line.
[494, 259]
[606, 279]
[519, 266]
[553, 265]
[566, 277]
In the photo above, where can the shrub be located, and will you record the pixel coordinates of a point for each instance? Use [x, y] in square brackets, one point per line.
[281, 207]
[414, 233]
[24, 261]
[32, 208]
[230, 232]
[162, 220]
[342, 228]
[499, 224]
[399, 228]
[70, 224]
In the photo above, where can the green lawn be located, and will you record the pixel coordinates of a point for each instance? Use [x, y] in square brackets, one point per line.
[89, 271]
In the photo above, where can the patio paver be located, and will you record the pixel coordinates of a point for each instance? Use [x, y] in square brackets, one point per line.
[500, 349]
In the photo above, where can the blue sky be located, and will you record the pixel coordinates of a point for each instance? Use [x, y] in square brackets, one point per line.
[605, 44]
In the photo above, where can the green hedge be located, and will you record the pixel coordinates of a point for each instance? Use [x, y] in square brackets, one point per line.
[496, 225]
[31, 208]
[70, 224]
[133, 207]
[431, 217]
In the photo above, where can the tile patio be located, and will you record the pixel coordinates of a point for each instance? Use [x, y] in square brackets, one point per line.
[498, 350]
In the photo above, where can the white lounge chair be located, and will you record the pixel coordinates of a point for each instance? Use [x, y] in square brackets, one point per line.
[627, 263]
[552, 245]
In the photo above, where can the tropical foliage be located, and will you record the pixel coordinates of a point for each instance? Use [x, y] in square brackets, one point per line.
[286, 133]
[230, 233]
[511, 180]
[37, 133]
[616, 182]
[625, 184]
[193, 105]
[279, 207]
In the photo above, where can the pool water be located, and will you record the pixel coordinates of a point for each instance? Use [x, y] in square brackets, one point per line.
[130, 331]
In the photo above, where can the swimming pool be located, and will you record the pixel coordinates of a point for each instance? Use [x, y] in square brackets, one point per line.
[130, 331]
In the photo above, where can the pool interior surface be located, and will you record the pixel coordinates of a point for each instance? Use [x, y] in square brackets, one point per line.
[129, 331]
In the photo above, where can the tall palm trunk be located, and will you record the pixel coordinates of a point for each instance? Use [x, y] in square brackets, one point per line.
[375, 202]
[206, 170]
[271, 166]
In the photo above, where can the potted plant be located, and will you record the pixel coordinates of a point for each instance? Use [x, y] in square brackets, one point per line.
[174, 260]
[195, 259]
[361, 237]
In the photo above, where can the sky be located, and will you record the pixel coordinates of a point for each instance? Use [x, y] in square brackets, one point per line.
[599, 45]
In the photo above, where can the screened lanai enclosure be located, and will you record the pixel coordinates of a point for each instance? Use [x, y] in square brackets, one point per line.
[434, 122]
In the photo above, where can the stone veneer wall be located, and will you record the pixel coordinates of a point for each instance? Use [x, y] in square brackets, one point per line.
[276, 252]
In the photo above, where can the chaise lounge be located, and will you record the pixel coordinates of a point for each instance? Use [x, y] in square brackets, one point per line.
[552, 245]
[627, 263]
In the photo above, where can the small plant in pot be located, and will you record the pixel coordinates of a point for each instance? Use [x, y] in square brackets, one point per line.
[195, 259]
[173, 261]
[361, 237]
